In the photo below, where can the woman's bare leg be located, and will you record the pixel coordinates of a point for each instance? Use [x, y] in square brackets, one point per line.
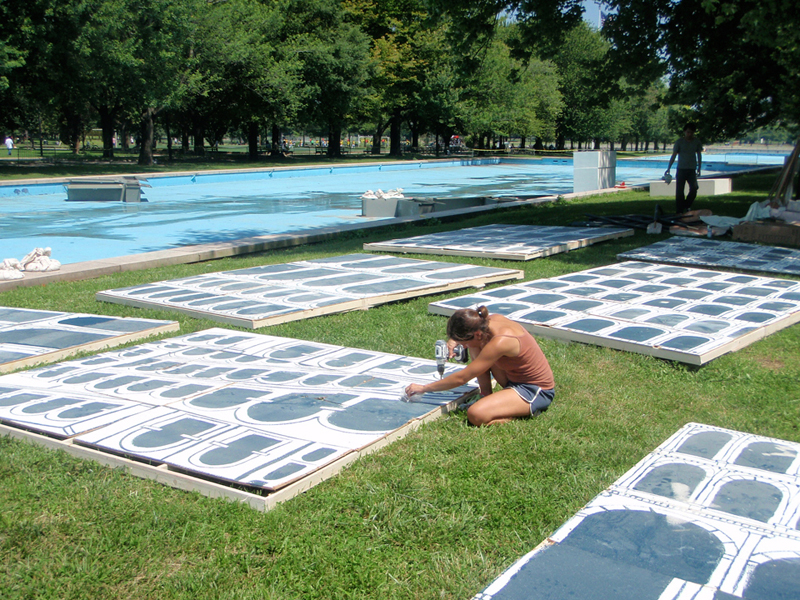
[500, 407]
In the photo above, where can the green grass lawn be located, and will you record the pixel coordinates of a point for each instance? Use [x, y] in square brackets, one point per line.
[438, 514]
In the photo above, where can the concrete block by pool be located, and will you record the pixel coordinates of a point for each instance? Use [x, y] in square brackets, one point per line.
[706, 187]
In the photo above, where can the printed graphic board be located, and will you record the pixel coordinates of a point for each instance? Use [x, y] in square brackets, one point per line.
[29, 337]
[711, 514]
[677, 313]
[272, 294]
[259, 411]
[714, 253]
[509, 242]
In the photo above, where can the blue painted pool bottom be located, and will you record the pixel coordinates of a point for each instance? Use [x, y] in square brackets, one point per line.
[201, 208]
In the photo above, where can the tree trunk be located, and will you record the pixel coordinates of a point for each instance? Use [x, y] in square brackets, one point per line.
[72, 127]
[252, 140]
[107, 124]
[334, 141]
[377, 135]
[275, 149]
[395, 147]
[168, 129]
[146, 147]
[199, 138]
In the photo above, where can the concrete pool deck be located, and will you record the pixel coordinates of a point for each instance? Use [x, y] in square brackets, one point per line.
[211, 251]
[221, 249]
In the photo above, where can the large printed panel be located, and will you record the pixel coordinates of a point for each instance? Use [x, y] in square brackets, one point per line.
[510, 242]
[714, 253]
[272, 294]
[711, 514]
[256, 410]
[29, 337]
[678, 313]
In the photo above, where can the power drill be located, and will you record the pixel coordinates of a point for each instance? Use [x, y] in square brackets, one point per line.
[442, 353]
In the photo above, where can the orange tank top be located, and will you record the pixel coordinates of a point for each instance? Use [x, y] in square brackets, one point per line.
[530, 365]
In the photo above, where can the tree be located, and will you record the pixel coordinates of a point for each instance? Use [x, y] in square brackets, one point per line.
[334, 56]
[543, 25]
[134, 55]
[583, 83]
[247, 76]
[735, 62]
[410, 60]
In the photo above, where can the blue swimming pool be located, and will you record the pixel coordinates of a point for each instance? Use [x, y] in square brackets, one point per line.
[222, 206]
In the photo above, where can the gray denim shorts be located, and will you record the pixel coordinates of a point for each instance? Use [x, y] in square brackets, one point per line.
[538, 398]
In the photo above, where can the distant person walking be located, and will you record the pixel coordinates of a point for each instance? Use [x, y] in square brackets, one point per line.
[9, 144]
[689, 151]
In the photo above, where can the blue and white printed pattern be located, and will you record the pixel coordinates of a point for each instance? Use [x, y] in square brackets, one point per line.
[258, 410]
[509, 242]
[33, 336]
[710, 514]
[272, 294]
[714, 253]
[679, 313]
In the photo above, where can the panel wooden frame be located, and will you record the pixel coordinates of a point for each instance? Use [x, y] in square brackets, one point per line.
[105, 344]
[350, 304]
[558, 329]
[175, 478]
[397, 246]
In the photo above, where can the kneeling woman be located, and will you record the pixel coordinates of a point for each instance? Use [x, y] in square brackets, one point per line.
[504, 349]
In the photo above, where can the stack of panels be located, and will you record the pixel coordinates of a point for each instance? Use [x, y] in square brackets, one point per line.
[509, 242]
[711, 514]
[275, 294]
[255, 410]
[29, 337]
[677, 313]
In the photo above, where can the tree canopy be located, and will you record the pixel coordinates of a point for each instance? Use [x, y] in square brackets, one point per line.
[487, 70]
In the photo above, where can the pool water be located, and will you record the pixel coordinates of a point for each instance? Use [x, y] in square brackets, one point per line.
[204, 208]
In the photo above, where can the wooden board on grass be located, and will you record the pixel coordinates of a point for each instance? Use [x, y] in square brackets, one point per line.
[709, 514]
[718, 254]
[273, 294]
[508, 242]
[677, 313]
[31, 337]
[268, 414]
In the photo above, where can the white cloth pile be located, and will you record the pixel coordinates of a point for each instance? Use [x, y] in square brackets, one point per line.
[381, 195]
[37, 260]
[759, 210]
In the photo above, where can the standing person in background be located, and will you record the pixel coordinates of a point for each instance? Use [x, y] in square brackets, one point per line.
[689, 151]
[9, 144]
[504, 349]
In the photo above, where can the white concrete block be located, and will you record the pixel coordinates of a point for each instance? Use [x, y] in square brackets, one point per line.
[599, 159]
[707, 187]
[595, 170]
